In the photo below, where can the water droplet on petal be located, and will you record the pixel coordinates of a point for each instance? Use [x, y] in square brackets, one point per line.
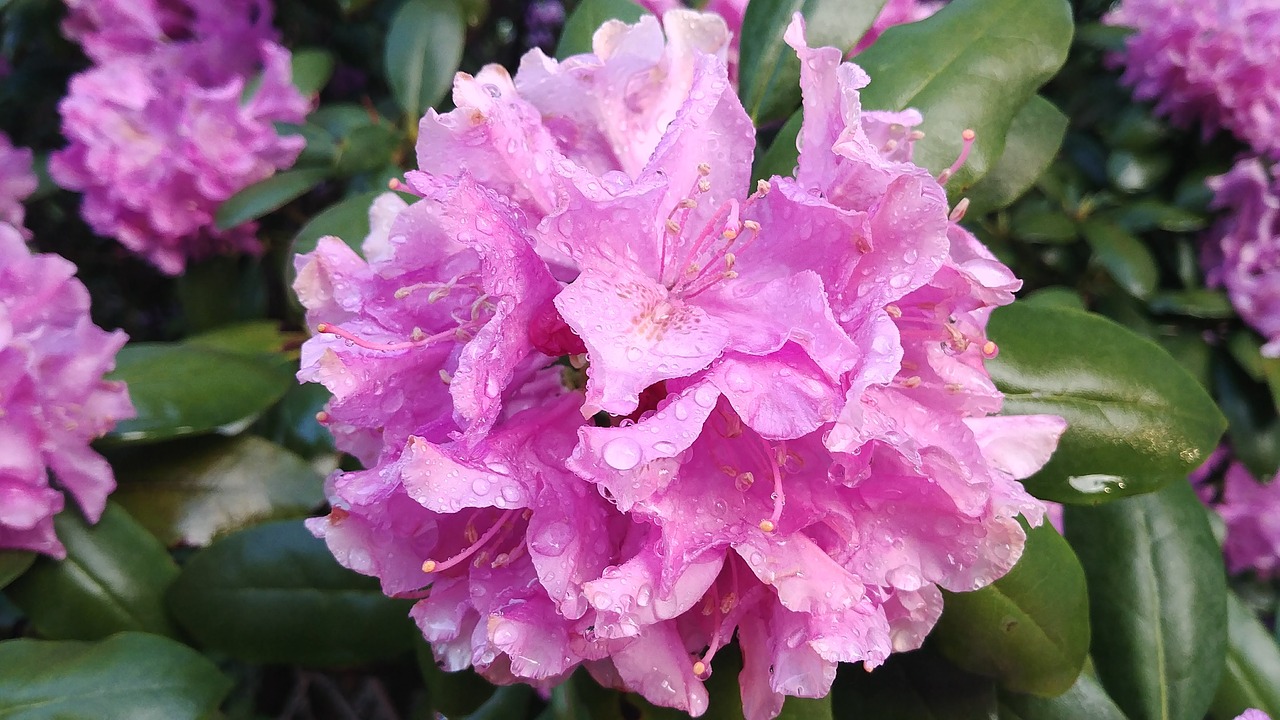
[634, 354]
[621, 453]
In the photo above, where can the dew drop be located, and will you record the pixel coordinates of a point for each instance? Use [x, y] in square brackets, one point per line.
[621, 453]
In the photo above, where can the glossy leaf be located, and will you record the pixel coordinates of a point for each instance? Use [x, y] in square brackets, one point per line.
[973, 64]
[452, 694]
[13, 563]
[271, 194]
[1133, 172]
[312, 68]
[256, 337]
[1157, 601]
[506, 702]
[1085, 699]
[113, 579]
[180, 389]
[1029, 630]
[768, 69]
[125, 677]
[274, 593]
[189, 492]
[1136, 419]
[913, 686]
[1200, 303]
[292, 423]
[1251, 678]
[1034, 138]
[587, 17]
[423, 50]
[1126, 259]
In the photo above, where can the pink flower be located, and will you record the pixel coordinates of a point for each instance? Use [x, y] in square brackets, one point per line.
[1252, 714]
[897, 12]
[1242, 251]
[160, 135]
[53, 400]
[1207, 61]
[792, 439]
[17, 181]
[1251, 511]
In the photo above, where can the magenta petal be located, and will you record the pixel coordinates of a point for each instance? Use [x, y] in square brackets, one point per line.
[633, 462]
[624, 318]
[656, 665]
[781, 396]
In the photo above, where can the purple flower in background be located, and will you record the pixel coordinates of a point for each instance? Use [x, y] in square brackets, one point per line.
[160, 133]
[792, 436]
[53, 399]
[17, 181]
[1207, 61]
[1252, 714]
[1242, 251]
[897, 12]
[543, 20]
[1251, 511]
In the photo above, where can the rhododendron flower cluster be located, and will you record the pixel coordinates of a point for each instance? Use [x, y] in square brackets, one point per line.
[160, 133]
[1242, 251]
[617, 407]
[1251, 512]
[53, 399]
[1207, 61]
[17, 181]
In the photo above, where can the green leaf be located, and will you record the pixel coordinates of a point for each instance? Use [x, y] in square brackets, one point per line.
[1137, 419]
[781, 157]
[768, 69]
[113, 579]
[1251, 678]
[1200, 303]
[1148, 214]
[973, 64]
[292, 422]
[424, 49]
[1126, 258]
[181, 390]
[912, 686]
[1035, 135]
[125, 677]
[1035, 223]
[273, 593]
[271, 194]
[312, 68]
[255, 337]
[510, 701]
[1133, 172]
[587, 17]
[13, 563]
[452, 694]
[1085, 699]
[1157, 601]
[368, 148]
[191, 491]
[1029, 630]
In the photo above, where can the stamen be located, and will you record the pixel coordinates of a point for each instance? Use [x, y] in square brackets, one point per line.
[911, 382]
[968, 136]
[322, 417]
[957, 213]
[394, 184]
[431, 566]
[894, 311]
[446, 377]
[419, 338]
[688, 203]
[699, 668]
[704, 185]
[673, 227]
[989, 349]
[704, 169]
